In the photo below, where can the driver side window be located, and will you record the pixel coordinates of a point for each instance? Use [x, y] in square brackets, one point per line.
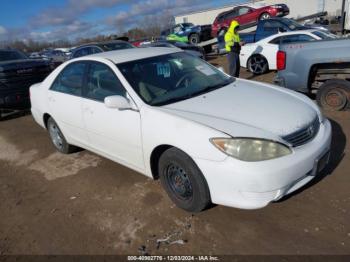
[243, 11]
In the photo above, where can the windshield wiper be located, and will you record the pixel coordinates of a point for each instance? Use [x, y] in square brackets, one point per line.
[200, 92]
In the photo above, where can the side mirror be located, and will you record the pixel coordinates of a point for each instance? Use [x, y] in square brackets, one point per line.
[281, 30]
[117, 102]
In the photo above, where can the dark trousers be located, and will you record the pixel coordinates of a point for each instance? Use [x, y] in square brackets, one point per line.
[234, 64]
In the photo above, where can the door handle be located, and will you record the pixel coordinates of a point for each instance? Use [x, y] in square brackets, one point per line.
[51, 99]
[87, 110]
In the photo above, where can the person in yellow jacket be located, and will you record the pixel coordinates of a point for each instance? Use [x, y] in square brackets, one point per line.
[233, 45]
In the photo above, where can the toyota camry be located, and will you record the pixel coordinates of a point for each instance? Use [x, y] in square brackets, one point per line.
[208, 137]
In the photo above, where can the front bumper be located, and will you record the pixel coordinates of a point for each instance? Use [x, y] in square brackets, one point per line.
[14, 100]
[254, 185]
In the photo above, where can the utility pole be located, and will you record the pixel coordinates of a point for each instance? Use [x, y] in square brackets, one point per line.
[343, 17]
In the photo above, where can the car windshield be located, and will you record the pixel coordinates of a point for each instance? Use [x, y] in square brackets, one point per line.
[324, 35]
[187, 25]
[167, 79]
[116, 46]
[11, 55]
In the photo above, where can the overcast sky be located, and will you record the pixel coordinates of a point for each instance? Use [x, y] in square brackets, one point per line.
[70, 19]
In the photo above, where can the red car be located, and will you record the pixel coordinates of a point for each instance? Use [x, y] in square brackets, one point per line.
[246, 15]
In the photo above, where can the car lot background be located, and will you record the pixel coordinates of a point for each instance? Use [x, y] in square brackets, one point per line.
[85, 204]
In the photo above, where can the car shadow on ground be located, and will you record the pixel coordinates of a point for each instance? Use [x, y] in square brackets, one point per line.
[14, 114]
[337, 154]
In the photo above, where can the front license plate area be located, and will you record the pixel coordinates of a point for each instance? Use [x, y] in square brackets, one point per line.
[321, 163]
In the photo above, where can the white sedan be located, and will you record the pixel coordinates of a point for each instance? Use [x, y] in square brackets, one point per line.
[260, 57]
[166, 114]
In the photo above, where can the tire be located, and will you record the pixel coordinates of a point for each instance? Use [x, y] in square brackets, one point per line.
[265, 16]
[258, 65]
[183, 181]
[194, 39]
[58, 139]
[334, 95]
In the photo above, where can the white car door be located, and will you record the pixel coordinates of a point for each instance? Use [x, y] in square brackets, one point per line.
[114, 133]
[64, 100]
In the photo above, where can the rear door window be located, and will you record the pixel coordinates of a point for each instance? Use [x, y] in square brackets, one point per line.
[70, 80]
[95, 50]
[82, 52]
[276, 41]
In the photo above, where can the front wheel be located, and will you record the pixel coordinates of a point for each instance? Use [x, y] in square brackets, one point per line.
[265, 16]
[183, 181]
[194, 39]
[334, 95]
[258, 65]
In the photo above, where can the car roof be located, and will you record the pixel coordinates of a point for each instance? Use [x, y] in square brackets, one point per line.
[100, 43]
[126, 55]
[297, 32]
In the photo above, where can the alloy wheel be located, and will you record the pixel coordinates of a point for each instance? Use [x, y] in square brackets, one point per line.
[257, 65]
[56, 136]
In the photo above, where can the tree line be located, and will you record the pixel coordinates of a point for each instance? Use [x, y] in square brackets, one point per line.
[151, 27]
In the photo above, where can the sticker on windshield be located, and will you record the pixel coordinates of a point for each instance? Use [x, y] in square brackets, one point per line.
[205, 69]
[163, 69]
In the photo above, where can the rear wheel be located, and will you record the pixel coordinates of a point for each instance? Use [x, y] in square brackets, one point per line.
[194, 39]
[265, 16]
[183, 181]
[258, 65]
[334, 95]
[58, 139]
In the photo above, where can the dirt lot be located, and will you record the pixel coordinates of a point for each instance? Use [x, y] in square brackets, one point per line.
[85, 204]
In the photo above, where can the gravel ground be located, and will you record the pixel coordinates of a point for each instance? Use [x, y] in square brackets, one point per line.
[85, 204]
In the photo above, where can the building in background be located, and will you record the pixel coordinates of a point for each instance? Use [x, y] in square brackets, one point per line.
[298, 8]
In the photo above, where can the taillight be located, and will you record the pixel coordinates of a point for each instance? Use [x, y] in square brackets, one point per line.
[281, 60]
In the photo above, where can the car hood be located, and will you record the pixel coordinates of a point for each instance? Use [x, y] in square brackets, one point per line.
[247, 108]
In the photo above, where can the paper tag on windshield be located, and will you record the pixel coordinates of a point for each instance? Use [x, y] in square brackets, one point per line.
[205, 70]
[163, 69]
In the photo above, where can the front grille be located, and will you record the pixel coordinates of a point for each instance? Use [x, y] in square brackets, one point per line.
[304, 135]
[24, 80]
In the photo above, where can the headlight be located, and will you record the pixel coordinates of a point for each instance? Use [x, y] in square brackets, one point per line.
[250, 149]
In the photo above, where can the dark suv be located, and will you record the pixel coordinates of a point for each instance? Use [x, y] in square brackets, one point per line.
[17, 74]
[94, 48]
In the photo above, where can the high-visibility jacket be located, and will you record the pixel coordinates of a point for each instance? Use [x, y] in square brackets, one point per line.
[232, 39]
